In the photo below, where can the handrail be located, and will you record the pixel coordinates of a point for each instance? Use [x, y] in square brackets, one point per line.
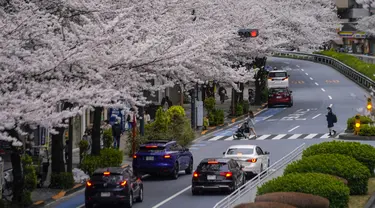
[260, 178]
[344, 69]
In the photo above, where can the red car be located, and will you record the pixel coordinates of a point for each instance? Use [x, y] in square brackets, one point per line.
[280, 96]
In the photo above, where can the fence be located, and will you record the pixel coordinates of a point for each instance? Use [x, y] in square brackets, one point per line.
[344, 69]
[247, 192]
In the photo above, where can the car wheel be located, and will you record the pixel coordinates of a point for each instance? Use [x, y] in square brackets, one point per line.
[290, 104]
[89, 205]
[189, 169]
[175, 171]
[140, 197]
[129, 202]
[194, 191]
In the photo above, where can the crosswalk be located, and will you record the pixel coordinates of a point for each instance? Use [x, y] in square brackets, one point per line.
[271, 137]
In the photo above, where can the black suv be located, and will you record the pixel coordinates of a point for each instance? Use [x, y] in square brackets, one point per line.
[114, 185]
[217, 174]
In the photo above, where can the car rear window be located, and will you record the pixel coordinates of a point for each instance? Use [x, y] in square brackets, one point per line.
[278, 90]
[151, 149]
[277, 74]
[113, 178]
[205, 167]
[240, 151]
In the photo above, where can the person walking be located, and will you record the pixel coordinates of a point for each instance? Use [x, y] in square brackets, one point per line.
[147, 117]
[331, 119]
[222, 94]
[251, 123]
[116, 132]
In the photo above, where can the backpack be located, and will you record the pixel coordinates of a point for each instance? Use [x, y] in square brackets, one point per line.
[334, 118]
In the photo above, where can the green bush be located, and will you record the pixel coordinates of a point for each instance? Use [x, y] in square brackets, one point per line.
[181, 132]
[296, 199]
[175, 112]
[245, 106]
[219, 116]
[90, 163]
[363, 153]
[83, 148]
[239, 109]
[108, 158]
[62, 180]
[351, 121]
[29, 173]
[107, 138]
[310, 183]
[26, 198]
[352, 61]
[343, 166]
[212, 118]
[366, 130]
[264, 95]
[264, 205]
[209, 104]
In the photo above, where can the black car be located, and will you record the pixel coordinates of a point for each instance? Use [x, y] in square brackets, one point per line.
[114, 185]
[221, 174]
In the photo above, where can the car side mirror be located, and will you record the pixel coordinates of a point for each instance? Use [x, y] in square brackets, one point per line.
[266, 153]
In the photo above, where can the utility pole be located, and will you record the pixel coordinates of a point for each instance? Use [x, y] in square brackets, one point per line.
[192, 102]
[69, 166]
[142, 122]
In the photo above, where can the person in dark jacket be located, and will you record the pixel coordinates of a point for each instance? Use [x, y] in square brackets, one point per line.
[331, 119]
[222, 93]
[116, 132]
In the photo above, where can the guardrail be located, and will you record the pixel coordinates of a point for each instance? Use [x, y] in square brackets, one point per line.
[247, 192]
[344, 69]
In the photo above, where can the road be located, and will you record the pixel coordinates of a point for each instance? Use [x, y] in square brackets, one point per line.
[280, 130]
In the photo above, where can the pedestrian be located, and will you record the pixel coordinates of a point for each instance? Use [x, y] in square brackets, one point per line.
[331, 119]
[166, 103]
[222, 94]
[147, 117]
[251, 123]
[116, 132]
[130, 118]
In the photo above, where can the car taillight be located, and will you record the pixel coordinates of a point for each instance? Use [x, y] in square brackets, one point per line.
[88, 183]
[253, 160]
[135, 156]
[195, 175]
[285, 79]
[123, 183]
[167, 156]
[226, 174]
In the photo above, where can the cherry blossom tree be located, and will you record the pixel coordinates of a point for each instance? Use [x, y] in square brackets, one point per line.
[367, 24]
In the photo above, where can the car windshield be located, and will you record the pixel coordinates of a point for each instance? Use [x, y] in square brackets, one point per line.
[277, 74]
[151, 149]
[205, 167]
[278, 90]
[240, 151]
[113, 178]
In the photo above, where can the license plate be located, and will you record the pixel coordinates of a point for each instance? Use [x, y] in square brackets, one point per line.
[105, 194]
[211, 177]
[278, 97]
[149, 158]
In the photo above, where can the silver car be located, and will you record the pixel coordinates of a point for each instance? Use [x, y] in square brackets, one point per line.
[251, 157]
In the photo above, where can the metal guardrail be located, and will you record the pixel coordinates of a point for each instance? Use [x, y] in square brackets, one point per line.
[344, 69]
[250, 188]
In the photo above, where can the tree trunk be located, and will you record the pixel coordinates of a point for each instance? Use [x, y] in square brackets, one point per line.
[260, 77]
[96, 131]
[69, 166]
[240, 94]
[57, 156]
[18, 179]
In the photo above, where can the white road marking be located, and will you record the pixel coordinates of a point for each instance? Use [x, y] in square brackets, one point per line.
[311, 78]
[316, 84]
[310, 136]
[316, 116]
[172, 197]
[293, 129]
[273, 119]
[330, 105]
[263, 137]
[278, 137]
[267, 118]
[295, 136]
[325, 136]
[323, 90]
[307, 74]
[329, 97]
[215, 138]
[302, 70]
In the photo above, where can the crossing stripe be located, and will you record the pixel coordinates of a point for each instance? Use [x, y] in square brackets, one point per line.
[215, 138]
[294, 136]
[310, 136]
[229, 138]
[263, 137]
[268, 137]
[279, 136]
[325, 136]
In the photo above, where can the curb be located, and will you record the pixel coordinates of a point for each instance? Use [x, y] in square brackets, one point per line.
[233, 120]
[356, 137]
[371, 202]
[61, 194]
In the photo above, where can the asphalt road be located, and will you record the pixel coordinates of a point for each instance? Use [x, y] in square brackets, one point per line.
[280, 130]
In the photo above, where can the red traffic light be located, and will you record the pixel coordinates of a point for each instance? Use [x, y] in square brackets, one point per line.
[248, 33]
[254, 33]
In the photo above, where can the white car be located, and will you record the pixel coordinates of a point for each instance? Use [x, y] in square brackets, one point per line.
[253, 159]
[278, 78]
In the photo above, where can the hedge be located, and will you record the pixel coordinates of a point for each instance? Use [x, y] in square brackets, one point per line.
[350, 122]
[310, 183]
[352, 61]
[300, 200]
[343, 166]
[264, 205]
[364, 153]
[107, 158]
[366, 130]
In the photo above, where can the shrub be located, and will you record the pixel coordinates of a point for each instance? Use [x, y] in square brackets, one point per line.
[108, 158]
[366, 130]
[219, 116]
[107, 138]
[343, 166]
[181, 132]
[30, 180]
[350, 122]
[175, 111]
[239, 109]
[62, 180]
[363, 153]
[211, 118]
[83, 148]
[300, 200]
[264, 205]
[343, 180]
[90, 163]
[245, 105]
[209, 104]
[310, 183]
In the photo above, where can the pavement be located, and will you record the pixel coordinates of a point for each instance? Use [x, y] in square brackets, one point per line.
[280, 130]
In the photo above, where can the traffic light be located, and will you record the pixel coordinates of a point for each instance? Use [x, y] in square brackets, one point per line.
[357, 124]
[248, 33]
[369, 104]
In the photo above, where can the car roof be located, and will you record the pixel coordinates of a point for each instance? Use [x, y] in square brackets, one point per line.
[115, 170]
[277, 71]
[243, 146]
[218, 159]
[161, 143]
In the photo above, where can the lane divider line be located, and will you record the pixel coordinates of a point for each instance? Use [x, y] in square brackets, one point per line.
[329, 97]
[311, 78]
[302, 70]
[293, 128]
[172, 197]
[316, 84]
[323, 90]
[330, 105]
[307, 74]
[316, 116]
